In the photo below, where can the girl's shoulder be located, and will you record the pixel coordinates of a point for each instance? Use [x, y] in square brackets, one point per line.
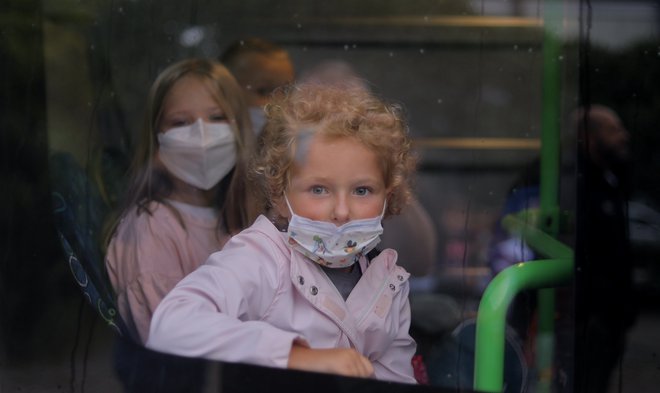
[260, 247]
[154, 217]
[260, 237]
[147, 211]
[382, 264]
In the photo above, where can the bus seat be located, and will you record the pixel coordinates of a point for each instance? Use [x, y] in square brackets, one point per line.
[78, 212]
[451, 362]
[85, 264]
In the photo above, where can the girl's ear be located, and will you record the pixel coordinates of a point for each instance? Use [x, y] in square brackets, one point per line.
[388, 194]
[280, 208]
[279, 214]
[155, 159]
[388, 201]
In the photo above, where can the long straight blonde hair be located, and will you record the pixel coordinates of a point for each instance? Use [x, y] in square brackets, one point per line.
[149, 182]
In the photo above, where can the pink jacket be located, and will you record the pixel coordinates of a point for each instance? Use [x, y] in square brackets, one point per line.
[250, 302]
[149, 254]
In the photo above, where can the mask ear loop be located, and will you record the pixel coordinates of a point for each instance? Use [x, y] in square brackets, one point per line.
[382, 213]
[280, 222]
[288, 205]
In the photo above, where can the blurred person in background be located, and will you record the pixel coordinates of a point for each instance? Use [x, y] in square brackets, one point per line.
[606, 301]
[260, 67]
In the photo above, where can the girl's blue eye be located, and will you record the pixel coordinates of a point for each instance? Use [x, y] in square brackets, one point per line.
[217, 118]
[318, 190]
[177, 123]
[362, 191]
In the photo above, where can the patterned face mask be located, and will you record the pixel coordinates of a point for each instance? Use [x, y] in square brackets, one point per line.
[332, 246]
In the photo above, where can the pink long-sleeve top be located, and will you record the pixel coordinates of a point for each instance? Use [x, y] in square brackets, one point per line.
[252, 300]
[150, 253]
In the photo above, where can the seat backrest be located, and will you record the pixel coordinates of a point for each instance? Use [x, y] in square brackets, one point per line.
[451, 362]
[78, 212]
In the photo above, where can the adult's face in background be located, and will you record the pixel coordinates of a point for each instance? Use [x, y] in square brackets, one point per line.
[609, 141]
[260, 73]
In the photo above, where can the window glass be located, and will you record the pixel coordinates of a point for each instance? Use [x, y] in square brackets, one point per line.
[510, 170]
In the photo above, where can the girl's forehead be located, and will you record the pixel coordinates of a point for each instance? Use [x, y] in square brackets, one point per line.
[329, 156]
[190, 84]
[191, 92]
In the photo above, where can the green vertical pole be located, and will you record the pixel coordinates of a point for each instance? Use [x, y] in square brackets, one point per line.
[549, 187]
[550, 113]
[491, 319]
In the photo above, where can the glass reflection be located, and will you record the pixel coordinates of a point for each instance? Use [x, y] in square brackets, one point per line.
[470, 76]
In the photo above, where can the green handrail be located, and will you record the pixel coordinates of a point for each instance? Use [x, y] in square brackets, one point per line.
[523, 225]
[491, 318]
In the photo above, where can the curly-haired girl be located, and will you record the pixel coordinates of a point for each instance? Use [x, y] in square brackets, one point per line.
[304, 287]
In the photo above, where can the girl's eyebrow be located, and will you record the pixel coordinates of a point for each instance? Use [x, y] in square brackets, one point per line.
[181, 112]
[367, 179]
[316, 179]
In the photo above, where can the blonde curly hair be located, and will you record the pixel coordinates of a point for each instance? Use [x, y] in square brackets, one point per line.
[334, 111]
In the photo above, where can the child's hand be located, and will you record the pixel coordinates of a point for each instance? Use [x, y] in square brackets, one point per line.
[342, 361]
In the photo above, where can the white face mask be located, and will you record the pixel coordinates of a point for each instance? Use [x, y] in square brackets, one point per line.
[200, 154]
[258, 118]
[332, 246]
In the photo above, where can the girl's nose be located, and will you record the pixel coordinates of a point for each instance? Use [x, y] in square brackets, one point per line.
[340, 213]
